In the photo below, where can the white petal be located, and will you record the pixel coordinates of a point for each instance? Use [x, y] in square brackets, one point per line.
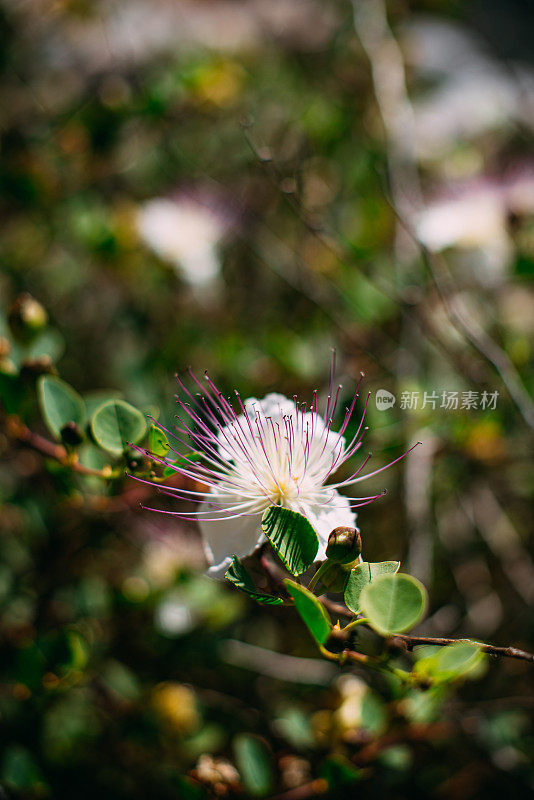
[219, 570]
[325, 518]
[273, 405]
[225, 538]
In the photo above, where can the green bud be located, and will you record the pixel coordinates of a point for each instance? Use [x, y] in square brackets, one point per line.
[27, 317]
[31, 368]
[71, 434]
[344, 545]
[337, 641]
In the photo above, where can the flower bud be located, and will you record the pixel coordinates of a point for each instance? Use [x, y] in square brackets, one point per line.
[337, 641]
[27, 317]
[344, 545]
[31, 368]
[71, 434]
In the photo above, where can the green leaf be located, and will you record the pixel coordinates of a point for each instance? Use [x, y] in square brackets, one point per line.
[12, 392]
[373, 713]
[339, 772]
[117, 424]
[98, 397]
[158, 443]
[311, 610]
[451, 662]
[240, 577]
[363, 574]
[59, 403]
[21, 773]
[294, 724]
[393, 603]
[292, 537]
[254, 764]
[183, 461]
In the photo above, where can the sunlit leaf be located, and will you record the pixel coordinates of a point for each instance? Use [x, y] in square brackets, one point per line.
[311, 610]
[116, 424]
[183, 461]
[158, 443]
[451, 662]
[363, 574]
[292, 537]
[95, 399]
[393, 603]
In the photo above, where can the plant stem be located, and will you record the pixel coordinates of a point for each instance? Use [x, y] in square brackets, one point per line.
[320, 572]
[508, 652]
[18, 430]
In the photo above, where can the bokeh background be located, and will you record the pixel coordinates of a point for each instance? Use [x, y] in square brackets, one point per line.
[241, 186]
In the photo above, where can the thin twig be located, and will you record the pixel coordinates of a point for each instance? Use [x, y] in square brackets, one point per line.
[508, 652]
[478, 339]
[19, 431]
[412, 641]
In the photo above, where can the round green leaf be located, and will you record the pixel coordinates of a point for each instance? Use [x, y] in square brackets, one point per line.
[393, 603]
[254, 763]
[93, 400]
[363, 574]
[311, 610]
[59, 403]
[292, 537]
[117, 424]
[158, 444]
[451, 662]
[458, 658]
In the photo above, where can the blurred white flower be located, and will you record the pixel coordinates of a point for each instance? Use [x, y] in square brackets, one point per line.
[185, 232]
[173, 617]
[271, 452]
[475, 216]
[473, 94]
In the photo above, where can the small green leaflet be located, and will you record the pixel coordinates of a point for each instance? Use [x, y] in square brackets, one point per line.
[59, 403]
[240, 577]
[363, 574]
[116, 424]
[393, 603]
[311, 610]
[292, 537]
[458, 660]
[158, 444]
[254, 763]
[183, 461]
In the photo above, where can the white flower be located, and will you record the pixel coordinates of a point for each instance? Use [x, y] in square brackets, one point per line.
[185, 232]
[273, 451]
